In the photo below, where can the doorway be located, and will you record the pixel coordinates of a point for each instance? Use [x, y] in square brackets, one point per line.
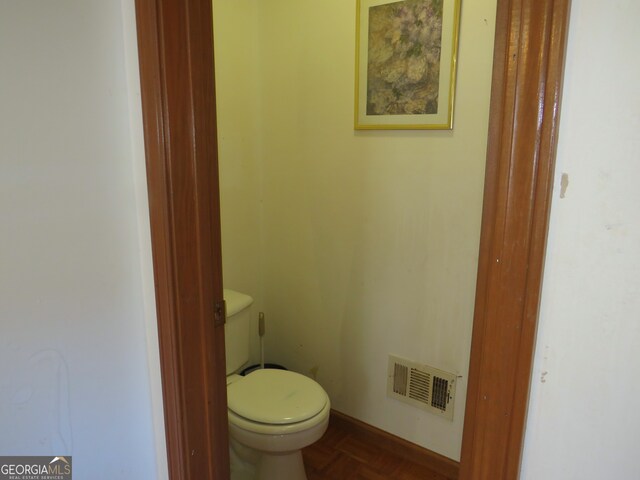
[175, 42]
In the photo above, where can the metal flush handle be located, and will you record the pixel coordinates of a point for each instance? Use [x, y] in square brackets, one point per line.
[219, 313]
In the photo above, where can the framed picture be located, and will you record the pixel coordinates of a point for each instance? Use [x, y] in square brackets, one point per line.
[406, 63]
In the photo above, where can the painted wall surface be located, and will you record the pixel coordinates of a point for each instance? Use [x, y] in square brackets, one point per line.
[236, 42]
[368, 240]
[78, 348]
[583, 418]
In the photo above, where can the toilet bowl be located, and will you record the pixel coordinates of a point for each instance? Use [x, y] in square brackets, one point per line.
[273, 414]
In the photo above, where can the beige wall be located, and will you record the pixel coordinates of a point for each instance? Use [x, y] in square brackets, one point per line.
[367, 240]
[238, 82]
[239, 145]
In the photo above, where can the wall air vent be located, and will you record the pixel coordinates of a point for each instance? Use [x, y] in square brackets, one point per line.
[422, 386]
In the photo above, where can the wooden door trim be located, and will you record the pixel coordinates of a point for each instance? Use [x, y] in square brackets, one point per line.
[175, 44]
[176, 66]
[523, 125]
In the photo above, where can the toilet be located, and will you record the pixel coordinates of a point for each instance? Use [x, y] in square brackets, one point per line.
[273, 414]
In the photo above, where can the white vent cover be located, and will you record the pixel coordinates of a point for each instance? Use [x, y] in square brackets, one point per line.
[422, 386]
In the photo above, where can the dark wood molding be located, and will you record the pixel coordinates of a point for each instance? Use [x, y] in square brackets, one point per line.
[176, 67]
[175, 43]
[527, 80]
[399, 446]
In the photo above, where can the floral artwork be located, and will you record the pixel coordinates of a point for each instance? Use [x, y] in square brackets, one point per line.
[406, 64]
[405, 41]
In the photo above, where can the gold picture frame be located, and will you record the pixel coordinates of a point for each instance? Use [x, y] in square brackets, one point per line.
[406, 53]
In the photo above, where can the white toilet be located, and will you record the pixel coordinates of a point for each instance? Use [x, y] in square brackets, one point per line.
[273, 414]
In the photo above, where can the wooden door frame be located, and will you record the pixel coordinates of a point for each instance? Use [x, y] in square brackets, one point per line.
[175, 42]
[523, 128]
[175, 47]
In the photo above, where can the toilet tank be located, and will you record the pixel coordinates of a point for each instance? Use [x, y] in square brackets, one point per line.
[236, 329]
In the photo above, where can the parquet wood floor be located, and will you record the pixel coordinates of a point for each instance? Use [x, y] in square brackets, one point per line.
[345, 455]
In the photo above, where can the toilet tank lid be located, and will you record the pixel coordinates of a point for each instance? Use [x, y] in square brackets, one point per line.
[236, 301]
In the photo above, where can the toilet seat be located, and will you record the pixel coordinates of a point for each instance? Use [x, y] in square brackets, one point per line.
[279, 430]
[273, 401]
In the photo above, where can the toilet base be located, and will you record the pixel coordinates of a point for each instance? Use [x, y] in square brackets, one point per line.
[275, 450]
[287, 465]
[243, 461]
[250, 464]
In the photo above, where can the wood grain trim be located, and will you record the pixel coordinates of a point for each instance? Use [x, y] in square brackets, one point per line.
[528, 67]
[399, 446]
[175, 45]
